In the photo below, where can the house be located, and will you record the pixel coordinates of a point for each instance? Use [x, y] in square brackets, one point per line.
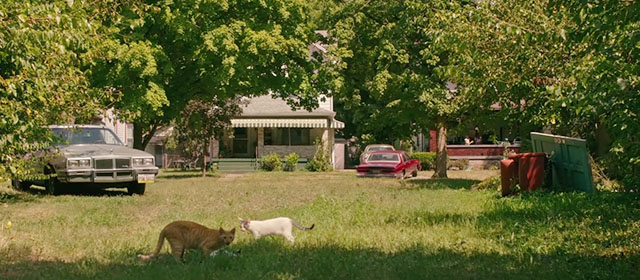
[266, 125]
[269, 125]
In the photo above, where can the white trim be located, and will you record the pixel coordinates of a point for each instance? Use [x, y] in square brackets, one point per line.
[295, 123]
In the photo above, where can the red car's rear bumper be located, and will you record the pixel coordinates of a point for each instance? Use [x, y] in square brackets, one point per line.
[384, 175]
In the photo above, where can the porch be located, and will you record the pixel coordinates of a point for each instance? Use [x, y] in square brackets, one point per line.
[254, 138]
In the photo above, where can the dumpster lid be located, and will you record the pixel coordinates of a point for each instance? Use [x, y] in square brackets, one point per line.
[526, 155]
[570, 166]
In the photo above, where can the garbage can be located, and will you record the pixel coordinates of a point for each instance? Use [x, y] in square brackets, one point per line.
[530, 169]
[508, 175]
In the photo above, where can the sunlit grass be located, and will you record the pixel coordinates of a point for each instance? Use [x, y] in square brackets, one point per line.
[365, 229]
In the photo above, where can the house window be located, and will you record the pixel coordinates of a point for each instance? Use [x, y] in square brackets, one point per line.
[287, 136]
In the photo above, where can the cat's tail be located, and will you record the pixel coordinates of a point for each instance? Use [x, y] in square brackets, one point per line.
[158, 248]
[301, 227]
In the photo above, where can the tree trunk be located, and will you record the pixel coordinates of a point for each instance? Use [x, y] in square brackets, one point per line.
[137, 136]
[441, 152]
[204, 161]
[140, 140]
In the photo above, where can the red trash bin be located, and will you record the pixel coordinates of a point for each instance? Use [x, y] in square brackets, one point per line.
[508, 175]
[530, 170]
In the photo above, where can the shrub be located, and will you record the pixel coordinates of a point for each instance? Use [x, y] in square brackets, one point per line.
[427, 159]
[291, 162]
[491, 183]
[271, 162]
[321, 161]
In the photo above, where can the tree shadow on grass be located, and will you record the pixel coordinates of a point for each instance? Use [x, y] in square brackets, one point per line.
[79, 190]
[606, 220]
[15, 197]
[277, 260]
[441, 183]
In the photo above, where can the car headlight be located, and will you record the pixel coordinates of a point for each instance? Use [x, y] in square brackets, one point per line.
[78, 163]
[143, 161]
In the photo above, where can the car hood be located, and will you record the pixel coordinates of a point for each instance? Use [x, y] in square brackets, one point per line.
[94, 150]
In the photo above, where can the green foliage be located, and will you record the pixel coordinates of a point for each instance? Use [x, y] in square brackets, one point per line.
[271, 162]
[203, 120]
[427, 159]
[45, 50]
[321, 161]
[391, 69]
[291, 162]
[492, 183]
[166, 53]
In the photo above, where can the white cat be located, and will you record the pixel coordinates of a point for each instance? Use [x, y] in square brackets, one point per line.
[278, 226]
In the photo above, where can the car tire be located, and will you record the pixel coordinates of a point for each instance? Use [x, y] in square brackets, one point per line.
[19, 185]
[53, 186]
[414, 173]
[136, 188]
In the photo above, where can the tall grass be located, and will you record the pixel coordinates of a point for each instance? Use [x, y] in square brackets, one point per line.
[365, 229]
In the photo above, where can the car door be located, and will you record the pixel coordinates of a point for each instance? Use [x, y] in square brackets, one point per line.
[410, 164]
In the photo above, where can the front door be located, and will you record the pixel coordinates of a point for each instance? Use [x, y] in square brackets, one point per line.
[241, 142]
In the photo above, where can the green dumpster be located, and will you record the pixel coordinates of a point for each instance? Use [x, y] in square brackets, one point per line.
[569, 158]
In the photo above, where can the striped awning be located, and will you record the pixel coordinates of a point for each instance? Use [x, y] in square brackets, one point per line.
[299, 123]
[337, 124]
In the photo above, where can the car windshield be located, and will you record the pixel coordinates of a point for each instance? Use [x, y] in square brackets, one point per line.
[384, 157]
[85, 135]
[380, 148]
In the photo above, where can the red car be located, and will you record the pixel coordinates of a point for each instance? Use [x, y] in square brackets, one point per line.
[395, 164]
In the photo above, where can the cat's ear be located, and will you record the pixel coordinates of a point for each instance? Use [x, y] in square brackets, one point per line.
[233, 231]
[221, 230]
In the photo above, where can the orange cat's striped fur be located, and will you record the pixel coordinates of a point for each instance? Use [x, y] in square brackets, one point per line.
[184, 235]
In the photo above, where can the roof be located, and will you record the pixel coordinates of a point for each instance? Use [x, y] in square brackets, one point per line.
[77, 126]
[268, 106]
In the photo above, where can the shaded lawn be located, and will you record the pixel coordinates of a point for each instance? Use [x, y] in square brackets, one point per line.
[365, 229]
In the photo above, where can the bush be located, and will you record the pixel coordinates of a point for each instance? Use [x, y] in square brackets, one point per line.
[271, 162]
[321, 161]
[491, 183]
[427, 159]
[291, 162]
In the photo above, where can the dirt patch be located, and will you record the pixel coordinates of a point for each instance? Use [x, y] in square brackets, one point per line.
[230, 177]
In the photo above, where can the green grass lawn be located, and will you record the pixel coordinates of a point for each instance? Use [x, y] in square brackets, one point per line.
[365, 229]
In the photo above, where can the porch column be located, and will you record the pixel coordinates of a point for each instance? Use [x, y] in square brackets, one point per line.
[260, 141]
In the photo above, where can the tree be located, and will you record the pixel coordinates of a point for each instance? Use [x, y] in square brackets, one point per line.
[45, 47]
[566, 68]
[389, 70]
[201, 121]
[166, 54]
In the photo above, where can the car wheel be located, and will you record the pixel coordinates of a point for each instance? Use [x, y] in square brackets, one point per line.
[136, 188]
[53, 186]
[414, 173]
[17, 184]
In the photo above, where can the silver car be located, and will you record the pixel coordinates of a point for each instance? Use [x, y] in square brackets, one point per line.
[90, 155]
[374, 148]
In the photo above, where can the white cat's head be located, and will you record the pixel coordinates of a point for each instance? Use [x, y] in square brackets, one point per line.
[244, 224]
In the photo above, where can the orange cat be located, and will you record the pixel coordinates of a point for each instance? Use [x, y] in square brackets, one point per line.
[184, 235]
